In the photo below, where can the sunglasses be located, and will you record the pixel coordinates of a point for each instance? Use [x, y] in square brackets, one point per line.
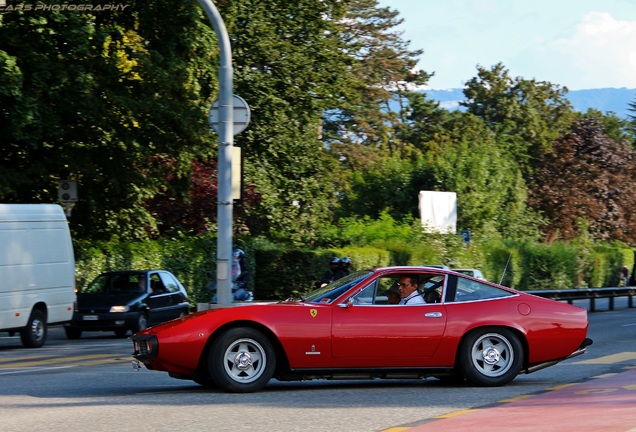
[402, 284]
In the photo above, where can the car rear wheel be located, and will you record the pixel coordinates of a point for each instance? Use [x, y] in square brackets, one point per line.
[34, 334]
[490, 357]
[241, 360]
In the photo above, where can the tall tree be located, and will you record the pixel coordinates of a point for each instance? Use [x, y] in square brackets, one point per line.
[631, 120]
[527, 114]
[107, 99]
[288, 67]
[383, 67]
[585, 184]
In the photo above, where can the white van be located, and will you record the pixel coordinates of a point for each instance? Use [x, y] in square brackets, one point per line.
[37, 270]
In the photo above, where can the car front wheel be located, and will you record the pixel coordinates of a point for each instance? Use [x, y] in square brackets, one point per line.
[72, 333]
[491, 357]
[241, 360]
[142, 323]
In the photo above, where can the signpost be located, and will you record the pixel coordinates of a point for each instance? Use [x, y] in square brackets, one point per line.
[225, 126]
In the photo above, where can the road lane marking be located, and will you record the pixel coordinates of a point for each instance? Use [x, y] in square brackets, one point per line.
[16, 363]
[35, 370]
[610, 359]
[455, 413]
[516, 398]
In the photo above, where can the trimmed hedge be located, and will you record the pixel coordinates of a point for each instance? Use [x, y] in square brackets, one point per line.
[281, 271]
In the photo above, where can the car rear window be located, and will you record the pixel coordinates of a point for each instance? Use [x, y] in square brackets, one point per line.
[469, 290]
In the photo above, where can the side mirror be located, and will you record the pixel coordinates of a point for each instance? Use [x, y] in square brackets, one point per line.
[347, 304]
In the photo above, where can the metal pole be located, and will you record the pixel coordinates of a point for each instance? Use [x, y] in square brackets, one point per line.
[226, 141]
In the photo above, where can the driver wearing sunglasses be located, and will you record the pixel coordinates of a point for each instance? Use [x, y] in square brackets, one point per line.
[407, 288]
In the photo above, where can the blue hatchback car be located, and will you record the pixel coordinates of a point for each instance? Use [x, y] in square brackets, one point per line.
[123, 301]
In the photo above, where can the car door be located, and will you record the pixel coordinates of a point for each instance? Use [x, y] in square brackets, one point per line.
[159, 301]
[367, 333]
[175, 298]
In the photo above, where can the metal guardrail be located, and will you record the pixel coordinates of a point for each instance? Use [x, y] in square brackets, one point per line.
[590, 294]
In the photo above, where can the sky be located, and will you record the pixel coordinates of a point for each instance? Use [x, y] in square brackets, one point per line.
[578, 44]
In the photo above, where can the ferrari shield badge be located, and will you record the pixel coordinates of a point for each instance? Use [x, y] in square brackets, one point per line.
[313, 312]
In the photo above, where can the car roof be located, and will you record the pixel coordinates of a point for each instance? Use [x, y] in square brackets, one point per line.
[124, 272]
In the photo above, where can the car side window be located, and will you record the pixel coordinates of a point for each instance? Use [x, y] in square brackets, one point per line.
[431, 287]
[367, 295]
[469, 290]
[169, 283]
[378, 292]
[156, 284]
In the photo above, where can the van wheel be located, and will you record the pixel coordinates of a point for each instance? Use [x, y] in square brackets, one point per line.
[34, 334]
[72, 333]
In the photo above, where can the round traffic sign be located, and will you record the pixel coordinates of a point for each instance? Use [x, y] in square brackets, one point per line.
[241, 114]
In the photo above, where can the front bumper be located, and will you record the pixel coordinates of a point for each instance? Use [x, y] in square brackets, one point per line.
[104, 321]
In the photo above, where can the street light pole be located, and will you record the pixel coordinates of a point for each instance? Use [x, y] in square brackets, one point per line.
[226, 142]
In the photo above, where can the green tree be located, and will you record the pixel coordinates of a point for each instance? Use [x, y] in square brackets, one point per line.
[107, 99]
[631, 119]
[288, 64]
[527, 115]
[382, 67]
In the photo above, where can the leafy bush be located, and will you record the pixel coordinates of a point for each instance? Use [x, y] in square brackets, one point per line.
[281, 271]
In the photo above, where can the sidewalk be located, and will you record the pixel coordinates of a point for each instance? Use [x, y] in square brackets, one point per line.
[606, 403]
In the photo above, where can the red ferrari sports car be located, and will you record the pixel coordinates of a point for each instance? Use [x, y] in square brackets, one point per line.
[460, 328]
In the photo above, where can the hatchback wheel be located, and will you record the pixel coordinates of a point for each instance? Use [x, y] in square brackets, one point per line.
[72, 333]
[142, 323]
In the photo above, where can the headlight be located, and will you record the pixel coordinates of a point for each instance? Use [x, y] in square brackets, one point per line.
[119, 309]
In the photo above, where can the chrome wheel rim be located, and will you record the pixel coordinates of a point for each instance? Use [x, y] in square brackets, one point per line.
[244, 360]
[492, 355]
[37, 329]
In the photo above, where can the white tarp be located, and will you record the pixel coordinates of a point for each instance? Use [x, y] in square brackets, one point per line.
[438, 211]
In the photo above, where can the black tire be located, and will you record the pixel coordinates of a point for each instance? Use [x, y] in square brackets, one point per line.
[121, 333]
[35, 332]
[205, 382]
[490, 357]
[453, 379]
[72, 333]
[241, 360]
[142, 323]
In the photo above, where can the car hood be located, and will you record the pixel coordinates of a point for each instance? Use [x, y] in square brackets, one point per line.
[218, 315]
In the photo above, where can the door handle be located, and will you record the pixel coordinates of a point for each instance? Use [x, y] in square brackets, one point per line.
[433, 314]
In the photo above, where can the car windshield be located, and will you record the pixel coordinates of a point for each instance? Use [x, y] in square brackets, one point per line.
[330, 292]
[116, 284]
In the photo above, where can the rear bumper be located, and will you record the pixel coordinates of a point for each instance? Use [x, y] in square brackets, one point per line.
[145, 347]
[579, 351]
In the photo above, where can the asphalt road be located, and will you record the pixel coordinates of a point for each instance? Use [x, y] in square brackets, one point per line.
[90, 385]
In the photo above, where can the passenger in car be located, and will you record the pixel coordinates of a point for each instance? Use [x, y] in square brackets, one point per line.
[407, 288]
[393, 295]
